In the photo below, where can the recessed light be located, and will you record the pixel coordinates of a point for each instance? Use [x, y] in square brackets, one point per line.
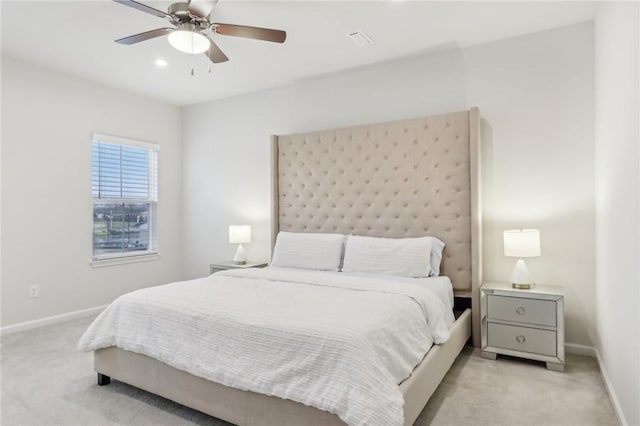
[161, 63]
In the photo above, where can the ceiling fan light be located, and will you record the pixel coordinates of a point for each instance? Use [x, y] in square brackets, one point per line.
[189, 41]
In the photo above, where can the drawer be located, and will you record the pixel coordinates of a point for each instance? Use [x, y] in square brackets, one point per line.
[523, 339]
[519, 309]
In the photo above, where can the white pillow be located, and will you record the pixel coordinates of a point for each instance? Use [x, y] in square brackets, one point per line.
[393, 256]
[321, 252]
[436, 256]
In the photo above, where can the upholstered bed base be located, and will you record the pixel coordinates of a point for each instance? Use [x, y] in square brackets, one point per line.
[406, 178]
[249, 408]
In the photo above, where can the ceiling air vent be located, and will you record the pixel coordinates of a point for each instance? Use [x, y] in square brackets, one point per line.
[360, 38]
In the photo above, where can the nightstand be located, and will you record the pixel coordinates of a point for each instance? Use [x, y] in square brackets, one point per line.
[221, 266]
[523, 323]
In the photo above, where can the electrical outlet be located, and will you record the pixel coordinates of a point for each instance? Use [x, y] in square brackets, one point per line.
[34, 291]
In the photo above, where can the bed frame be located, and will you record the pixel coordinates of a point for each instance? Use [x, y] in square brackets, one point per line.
[399, 179]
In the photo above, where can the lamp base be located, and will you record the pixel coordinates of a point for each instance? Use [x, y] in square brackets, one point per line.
[522, 286]
[240, 258]
[520, 277]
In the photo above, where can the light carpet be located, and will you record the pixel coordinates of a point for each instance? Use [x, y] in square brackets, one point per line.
[46, 381]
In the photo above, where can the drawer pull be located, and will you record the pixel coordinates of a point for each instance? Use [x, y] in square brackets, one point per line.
[520, 310]
[520, 338]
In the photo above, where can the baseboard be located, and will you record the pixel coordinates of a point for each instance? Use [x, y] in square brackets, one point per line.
[576, 349]
[29, 325]
[622, 421]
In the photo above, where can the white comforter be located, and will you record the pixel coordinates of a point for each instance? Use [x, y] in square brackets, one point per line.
[341, 345]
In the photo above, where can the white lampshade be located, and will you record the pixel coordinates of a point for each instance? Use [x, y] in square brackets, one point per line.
[189, 41]
[239, 234]
[522, 243]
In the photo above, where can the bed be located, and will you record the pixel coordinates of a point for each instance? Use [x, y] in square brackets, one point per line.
[407, 178]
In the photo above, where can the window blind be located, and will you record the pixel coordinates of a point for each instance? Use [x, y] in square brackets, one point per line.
[124, 188]
[125, 172]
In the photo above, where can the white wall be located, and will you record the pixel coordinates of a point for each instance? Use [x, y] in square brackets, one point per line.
[536, 95]
[618, 202]
[47, 121]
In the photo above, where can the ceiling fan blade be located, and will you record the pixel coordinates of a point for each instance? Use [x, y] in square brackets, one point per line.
[214, 53]
[137, 38]
[202, 8]
[265, 34]
[143, 8]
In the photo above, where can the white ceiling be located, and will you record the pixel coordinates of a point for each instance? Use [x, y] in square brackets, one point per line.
[76, 37]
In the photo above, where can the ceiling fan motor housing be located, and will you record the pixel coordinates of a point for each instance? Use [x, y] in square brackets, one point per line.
[180, 14]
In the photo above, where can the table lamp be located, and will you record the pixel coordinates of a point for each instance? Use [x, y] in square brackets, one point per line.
[239, 234]
[521, 243]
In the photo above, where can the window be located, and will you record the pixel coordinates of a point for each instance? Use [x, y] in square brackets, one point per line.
[124, 187]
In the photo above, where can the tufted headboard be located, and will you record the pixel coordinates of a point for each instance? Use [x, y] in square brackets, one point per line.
[405, 178]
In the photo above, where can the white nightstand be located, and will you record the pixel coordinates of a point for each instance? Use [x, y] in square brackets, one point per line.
[524, 323]
[221, 266]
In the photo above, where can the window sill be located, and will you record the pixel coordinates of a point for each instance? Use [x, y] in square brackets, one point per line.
[112, 261]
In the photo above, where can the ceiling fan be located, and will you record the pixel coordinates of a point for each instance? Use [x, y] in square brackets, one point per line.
[191, 22]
